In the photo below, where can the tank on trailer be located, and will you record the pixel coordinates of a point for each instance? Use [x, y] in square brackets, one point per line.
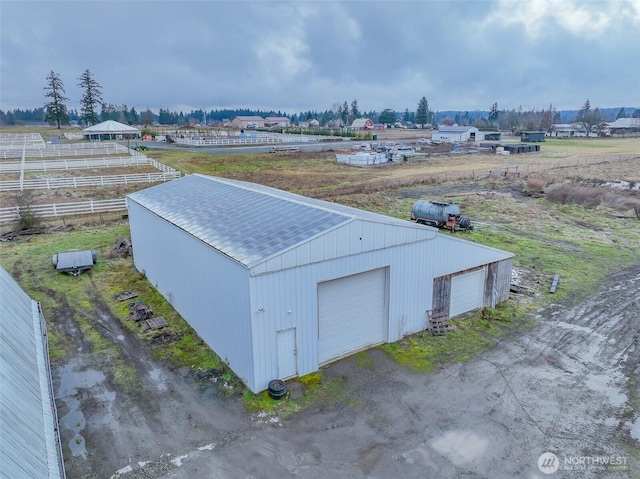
[440, 214]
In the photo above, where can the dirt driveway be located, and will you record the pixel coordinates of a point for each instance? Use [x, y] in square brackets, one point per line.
[569, 387]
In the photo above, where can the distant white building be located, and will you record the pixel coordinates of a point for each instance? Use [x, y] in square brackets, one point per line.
[278, 121]
[452, 134]
[567, 130]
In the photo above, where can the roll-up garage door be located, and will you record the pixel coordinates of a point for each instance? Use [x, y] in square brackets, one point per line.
[352, 314]
[467, 292]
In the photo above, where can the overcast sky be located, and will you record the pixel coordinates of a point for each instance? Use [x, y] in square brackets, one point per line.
[310, 55]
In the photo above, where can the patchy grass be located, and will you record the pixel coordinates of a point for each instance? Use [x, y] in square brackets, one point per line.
[469, 337]
[315, 390]
[61, 296]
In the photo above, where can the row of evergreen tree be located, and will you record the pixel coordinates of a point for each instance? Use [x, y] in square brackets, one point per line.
[55, 112]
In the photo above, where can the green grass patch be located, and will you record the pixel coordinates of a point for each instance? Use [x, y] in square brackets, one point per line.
[425, 352]
[316, 389]
[124, 375]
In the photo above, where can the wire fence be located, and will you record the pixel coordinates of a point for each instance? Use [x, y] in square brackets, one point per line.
[524, 169]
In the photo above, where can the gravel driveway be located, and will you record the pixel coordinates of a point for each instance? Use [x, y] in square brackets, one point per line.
[568, 389]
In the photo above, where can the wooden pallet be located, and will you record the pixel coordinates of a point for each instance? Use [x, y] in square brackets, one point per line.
[154, 323]
[438, 322]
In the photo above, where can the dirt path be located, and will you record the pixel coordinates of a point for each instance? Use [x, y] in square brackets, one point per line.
[567, 387]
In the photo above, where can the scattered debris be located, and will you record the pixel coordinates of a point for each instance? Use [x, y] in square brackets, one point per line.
[122, 246]
[154, 323]
[16, 234]
[165, 337]
[554, 283]
[140, 311]
[205, 374]
[125, 295]
[519, 289]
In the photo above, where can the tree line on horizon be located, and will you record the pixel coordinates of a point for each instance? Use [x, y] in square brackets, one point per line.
[93, 110]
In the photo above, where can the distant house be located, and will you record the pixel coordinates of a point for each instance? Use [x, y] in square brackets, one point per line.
[361, 124]
[278, 121]
[452, 134]
[567, 130]
[532, 136]
[242, 122]
[625, 125]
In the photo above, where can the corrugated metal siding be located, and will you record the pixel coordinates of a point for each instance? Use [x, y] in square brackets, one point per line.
[467, 291]
[352, 238]
[29, 443]
[208, 289]
[288, 297]
[352, 313]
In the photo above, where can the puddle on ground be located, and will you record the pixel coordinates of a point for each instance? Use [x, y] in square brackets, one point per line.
[573, 327]
[611, 421]
[461, 447]
[70, 391]
[158, 378]
[601, 383]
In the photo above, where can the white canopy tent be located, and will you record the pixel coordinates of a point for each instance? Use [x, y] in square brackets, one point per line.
[110, 130]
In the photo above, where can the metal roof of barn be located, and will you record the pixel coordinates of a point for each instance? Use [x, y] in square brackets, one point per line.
[27, 418]
[247, 221]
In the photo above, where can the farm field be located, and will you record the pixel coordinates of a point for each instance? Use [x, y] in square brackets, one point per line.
[541, 373]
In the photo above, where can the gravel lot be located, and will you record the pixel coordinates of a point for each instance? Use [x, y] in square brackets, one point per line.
[568, 386]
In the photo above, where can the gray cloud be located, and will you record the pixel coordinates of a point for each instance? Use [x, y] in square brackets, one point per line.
[309, 55]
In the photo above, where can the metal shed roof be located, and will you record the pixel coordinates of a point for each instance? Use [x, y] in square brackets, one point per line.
[456, 129]
[246, 221]
[27, 434]
[111, 126]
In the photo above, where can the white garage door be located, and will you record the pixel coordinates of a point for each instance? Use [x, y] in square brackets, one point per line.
[352, 314]
[467, 292]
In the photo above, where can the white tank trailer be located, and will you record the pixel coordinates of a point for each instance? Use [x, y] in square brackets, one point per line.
[440, 214]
